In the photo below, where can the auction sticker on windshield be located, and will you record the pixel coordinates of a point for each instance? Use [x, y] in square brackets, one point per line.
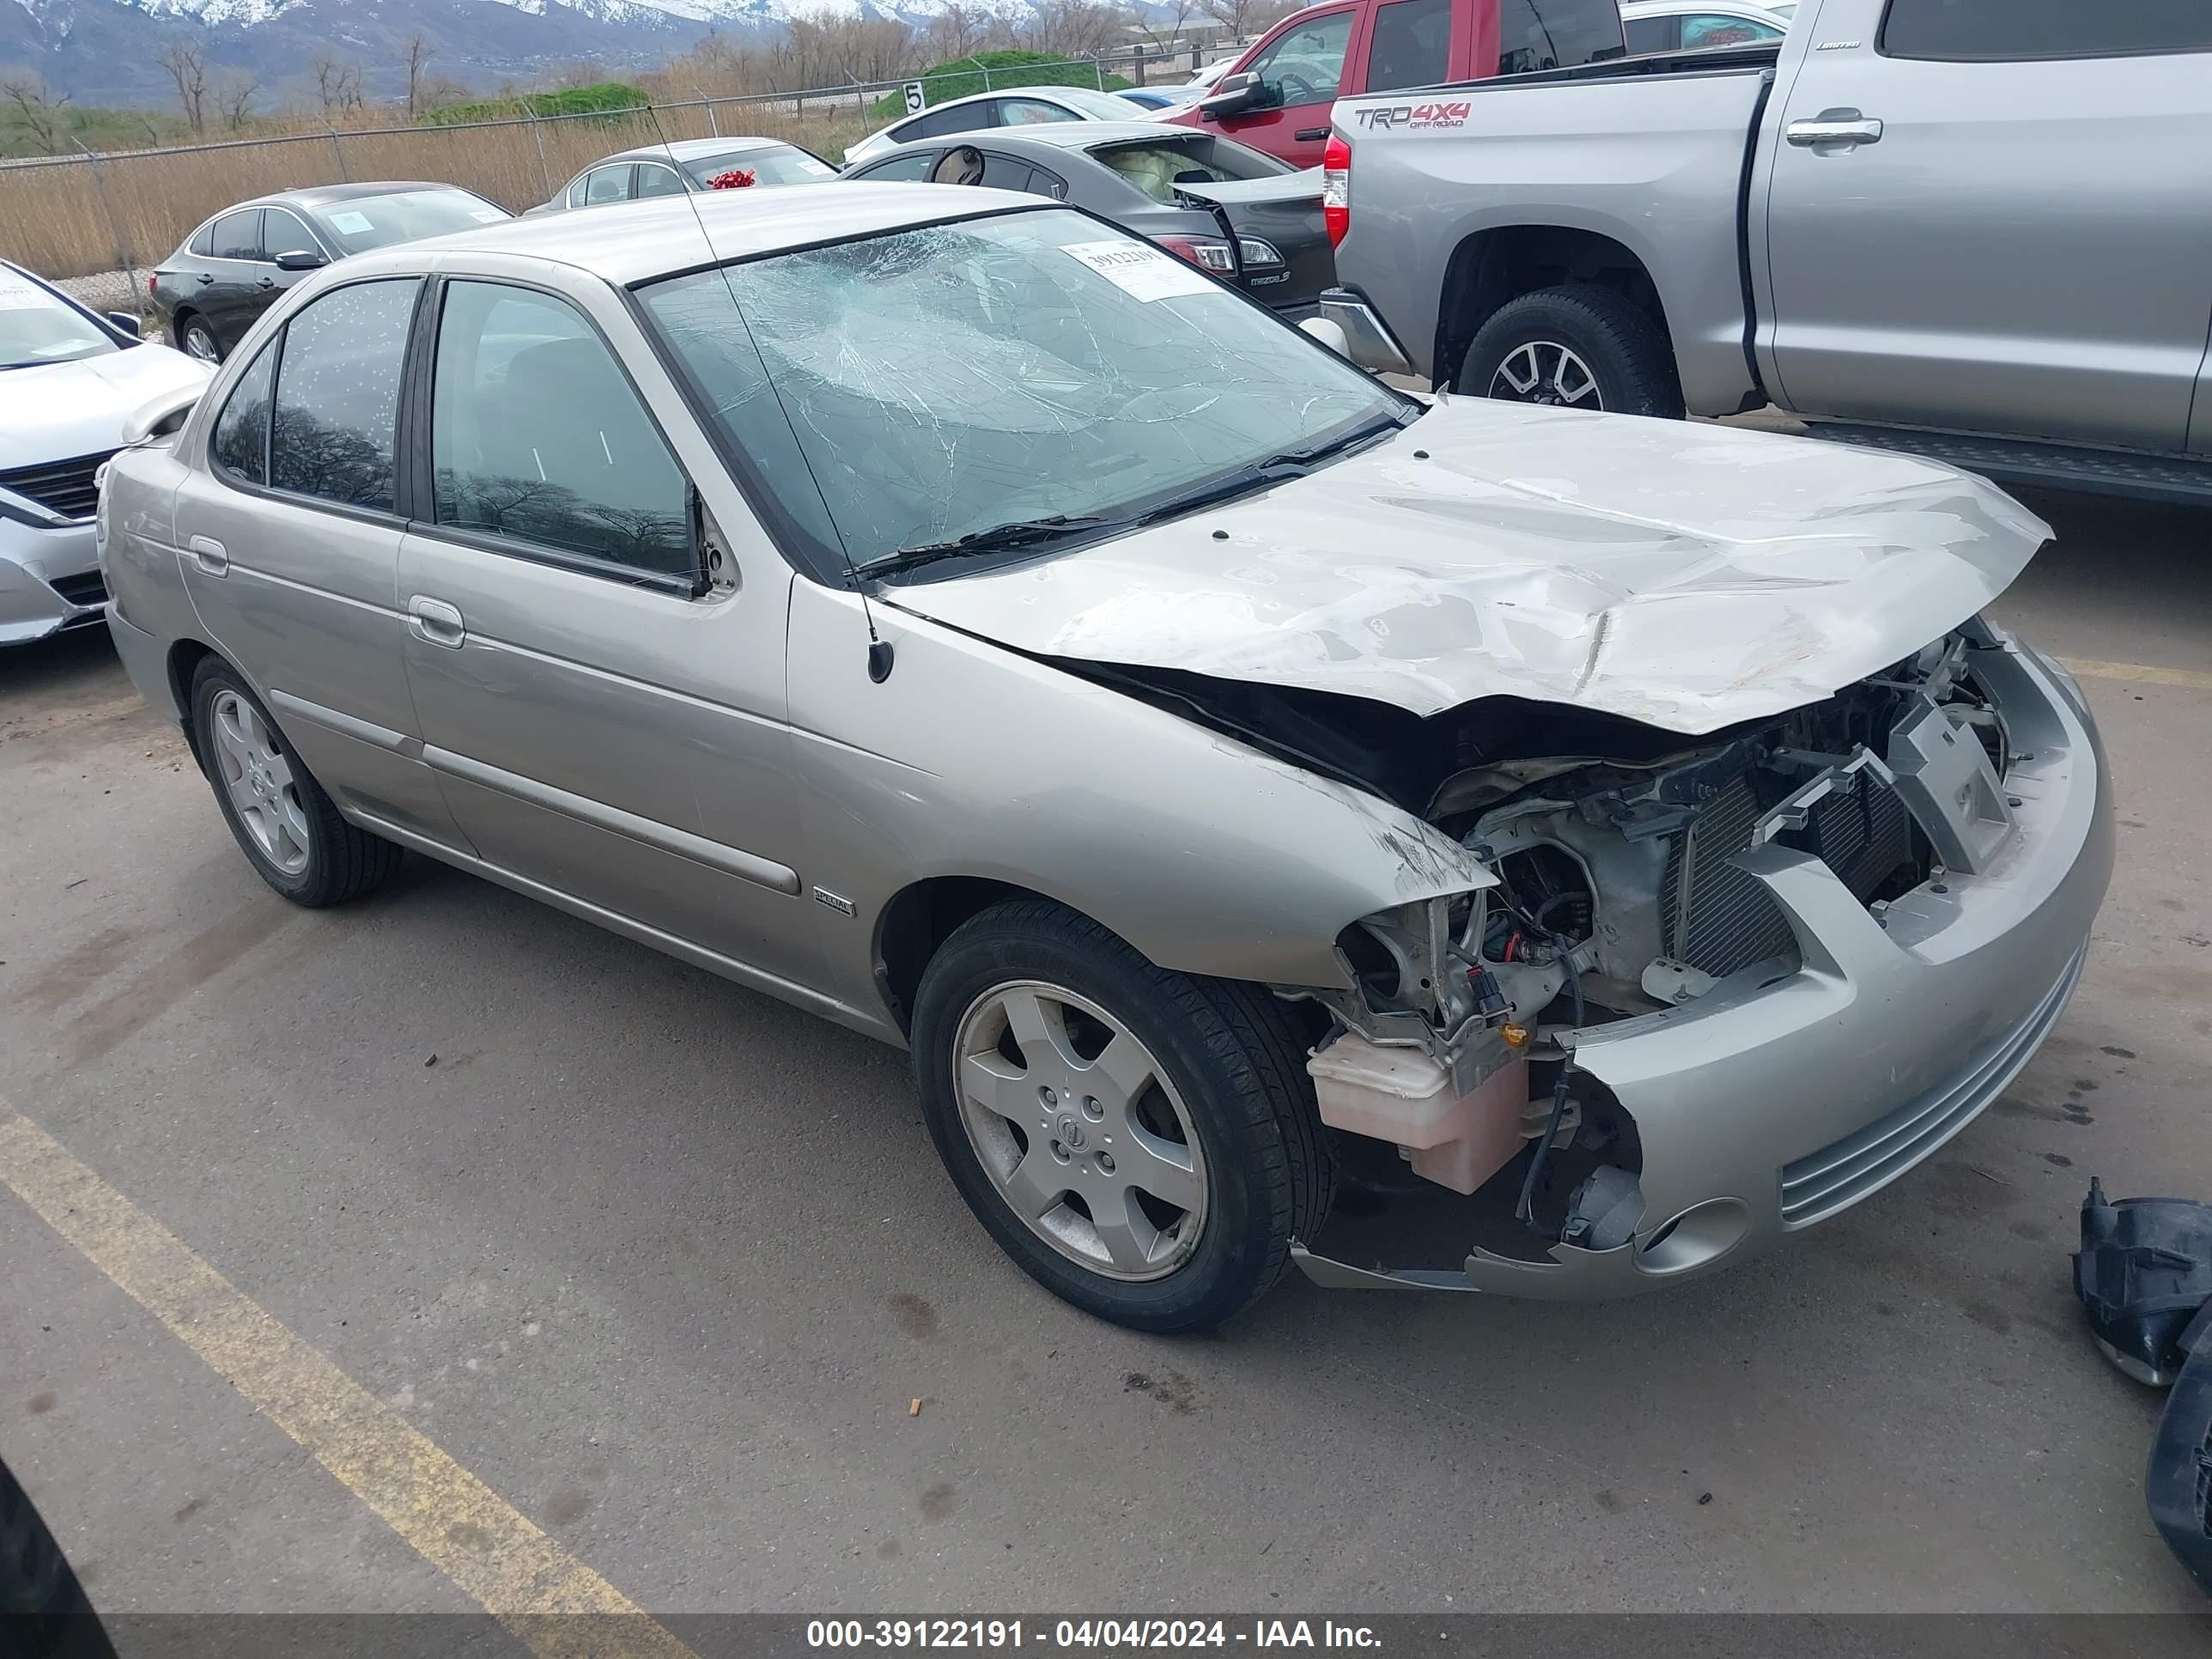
[352, 224]
[1136, 269]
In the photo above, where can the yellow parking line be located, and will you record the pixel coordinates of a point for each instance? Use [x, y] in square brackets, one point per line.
[458, 1524]
[2143, 673]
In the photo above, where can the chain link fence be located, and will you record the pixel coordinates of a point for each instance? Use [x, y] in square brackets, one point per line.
[122, 211]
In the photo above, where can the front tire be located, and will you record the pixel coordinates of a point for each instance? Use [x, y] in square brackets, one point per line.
[1576, 347]
[288, 828]
[1143, 1144]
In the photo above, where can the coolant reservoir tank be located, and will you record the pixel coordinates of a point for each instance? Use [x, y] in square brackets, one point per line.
[1405, 1096]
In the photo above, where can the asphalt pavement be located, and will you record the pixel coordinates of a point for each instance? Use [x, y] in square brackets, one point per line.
[662, 1267]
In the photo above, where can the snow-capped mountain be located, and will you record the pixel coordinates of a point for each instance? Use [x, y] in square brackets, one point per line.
[107, 52]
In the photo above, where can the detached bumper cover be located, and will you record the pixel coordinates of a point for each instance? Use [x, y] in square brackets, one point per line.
[1373, 346]
[1765, 1107]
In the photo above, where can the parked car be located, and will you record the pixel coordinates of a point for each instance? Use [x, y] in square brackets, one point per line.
[1974, 232]
[1695, 25]
[238, 264]
[670, 169]
[69, 381]
[1154, 98]
[958, 617]
[1022, 106]
[1276, 96]
[1244, 216]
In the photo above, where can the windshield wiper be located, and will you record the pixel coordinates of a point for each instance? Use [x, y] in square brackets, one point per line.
[1275, 469]
[1023, 532]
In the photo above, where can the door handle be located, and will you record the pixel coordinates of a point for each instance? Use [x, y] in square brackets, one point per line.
[1310, 135]
[435, 623]
[266, 282]
[204, 278]
[1834, 126]
[209, 555]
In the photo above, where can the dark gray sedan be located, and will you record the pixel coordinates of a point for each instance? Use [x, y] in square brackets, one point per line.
[237, 264]
[1250, 219]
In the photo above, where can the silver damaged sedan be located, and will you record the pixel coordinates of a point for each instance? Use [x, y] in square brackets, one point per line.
[1236, 783]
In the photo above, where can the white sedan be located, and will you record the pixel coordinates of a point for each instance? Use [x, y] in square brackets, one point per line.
[1013, 106]
[69, 380]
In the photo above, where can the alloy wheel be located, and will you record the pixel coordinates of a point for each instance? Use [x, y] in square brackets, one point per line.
[1081, 1130]
[1546, 372]
[199, 343]
[259, 781]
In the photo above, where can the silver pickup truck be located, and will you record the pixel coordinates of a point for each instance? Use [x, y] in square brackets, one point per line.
[1979, 232]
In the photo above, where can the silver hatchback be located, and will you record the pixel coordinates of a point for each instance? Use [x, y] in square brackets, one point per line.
[1231, 778]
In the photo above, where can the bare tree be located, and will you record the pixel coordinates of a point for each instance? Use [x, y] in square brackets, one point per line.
[235, 97]
[1239, 18]
[1074, 28]
[185, 63]
[40, 107]
[338, 85]
[1161, 29]
[419, 54]
[954, 32]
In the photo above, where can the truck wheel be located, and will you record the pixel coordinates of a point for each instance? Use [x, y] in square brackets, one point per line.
[1143, 1144]
[1579, 347]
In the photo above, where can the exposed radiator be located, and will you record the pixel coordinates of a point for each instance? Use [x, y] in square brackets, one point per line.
[1718, 918]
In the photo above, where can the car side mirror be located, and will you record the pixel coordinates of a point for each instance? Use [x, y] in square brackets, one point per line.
[127, 321]
[161, 417]
[300, 259]
[1329, 332]
[1232, 95]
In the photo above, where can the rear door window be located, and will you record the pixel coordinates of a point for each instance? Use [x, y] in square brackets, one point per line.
[1031, 111]
[1409, 45]
[606, 185]
[1704, 29]
[238, 235]
[1004, 173]
[653, 179]
[1976, 30]
[956, 118]
[203, 240]
[1541, 34]
[338, 395]
[1649, 34]
[915, 167]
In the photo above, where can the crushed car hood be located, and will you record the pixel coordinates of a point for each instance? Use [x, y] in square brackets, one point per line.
[1687, 575]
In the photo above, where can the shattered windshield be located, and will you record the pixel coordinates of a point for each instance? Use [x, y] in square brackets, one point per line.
[953, 379]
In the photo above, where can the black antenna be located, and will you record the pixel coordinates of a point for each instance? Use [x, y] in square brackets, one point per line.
[879, 649]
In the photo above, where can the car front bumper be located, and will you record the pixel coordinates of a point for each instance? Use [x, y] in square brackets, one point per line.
[1767, 1107]
[49, 579]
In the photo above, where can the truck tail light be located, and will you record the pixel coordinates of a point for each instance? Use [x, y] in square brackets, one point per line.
[1206, 252]
[1336, 189]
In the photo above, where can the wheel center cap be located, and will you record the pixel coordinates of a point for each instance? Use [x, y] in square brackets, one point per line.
[1070, 1130]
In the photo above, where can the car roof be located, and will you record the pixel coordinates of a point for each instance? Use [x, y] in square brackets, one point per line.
[686, 149]
[1057, 135]
[662, 236]
[315, 196]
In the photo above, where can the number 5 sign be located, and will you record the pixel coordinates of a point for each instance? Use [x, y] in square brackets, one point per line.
[913, 99]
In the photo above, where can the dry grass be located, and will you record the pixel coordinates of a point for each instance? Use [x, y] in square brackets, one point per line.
[77, 218]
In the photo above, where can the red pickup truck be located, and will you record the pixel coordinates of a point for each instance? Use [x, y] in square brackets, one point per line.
[1278, 96]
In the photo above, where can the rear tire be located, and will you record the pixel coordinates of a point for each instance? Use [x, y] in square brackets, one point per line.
[1227, 1102]
[196, 339]
[288, 827]
[1546, 347]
